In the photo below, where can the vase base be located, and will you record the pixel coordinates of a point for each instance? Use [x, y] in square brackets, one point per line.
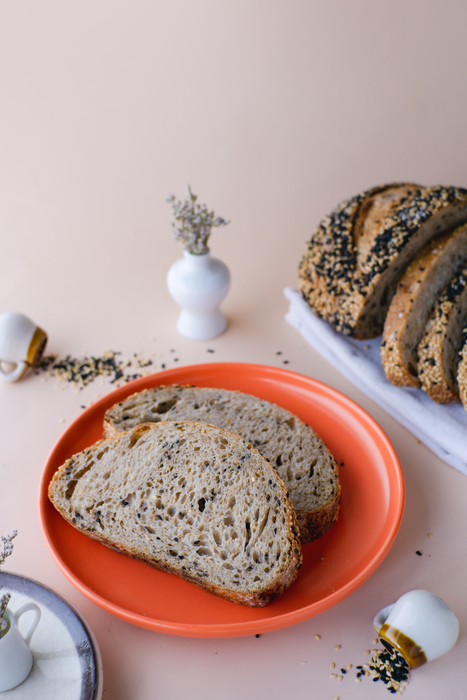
[201, 326]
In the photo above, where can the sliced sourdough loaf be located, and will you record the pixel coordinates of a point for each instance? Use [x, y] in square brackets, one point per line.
[417, 291]
[438, 351]
[353, 262]
[299, 456]
[462, 369]
[190, 499]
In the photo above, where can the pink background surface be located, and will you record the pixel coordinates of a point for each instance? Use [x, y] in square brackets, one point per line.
[273, 112]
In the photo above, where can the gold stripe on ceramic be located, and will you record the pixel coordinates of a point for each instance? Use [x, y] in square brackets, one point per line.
[36, 347]
[412, 653]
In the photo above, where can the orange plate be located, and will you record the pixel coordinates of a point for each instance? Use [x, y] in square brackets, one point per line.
[334, 566]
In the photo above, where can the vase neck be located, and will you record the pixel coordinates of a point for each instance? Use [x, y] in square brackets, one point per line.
[197, 260]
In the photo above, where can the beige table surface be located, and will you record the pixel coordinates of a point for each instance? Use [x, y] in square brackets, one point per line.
[274, 112]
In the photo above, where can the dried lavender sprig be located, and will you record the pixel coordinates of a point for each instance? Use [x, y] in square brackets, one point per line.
[3, 625]
[4, 600]
[7, 547]
[193, 222]
[5, 551]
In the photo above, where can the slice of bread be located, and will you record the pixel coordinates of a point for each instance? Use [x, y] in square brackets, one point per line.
[299, 456]
[190, 499]
[438, 351]
[425, 278]
[462, 369]
[354, 260]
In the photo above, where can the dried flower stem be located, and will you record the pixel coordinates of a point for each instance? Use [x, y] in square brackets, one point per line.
[5, 551]
[193, 223]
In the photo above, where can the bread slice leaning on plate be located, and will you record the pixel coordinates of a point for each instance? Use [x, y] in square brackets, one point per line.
[296, 452]
[438, 351]
[354, 260]
[417, 292]
[189, 499]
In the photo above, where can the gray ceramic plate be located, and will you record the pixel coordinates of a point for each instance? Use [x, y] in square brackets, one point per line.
[67, 660]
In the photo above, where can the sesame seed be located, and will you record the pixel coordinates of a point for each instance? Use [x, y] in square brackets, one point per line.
[339, 678]
[317, 636]
[338, 646]
[333, 665]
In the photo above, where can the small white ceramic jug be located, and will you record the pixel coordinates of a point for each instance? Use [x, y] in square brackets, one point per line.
[22, 343]
[420, 626]
[15, 654]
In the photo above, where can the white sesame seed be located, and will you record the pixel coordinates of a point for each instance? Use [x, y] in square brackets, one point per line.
[333, 665]
[349, 666]
[357, 680]
[367, 651]
[333, 675]
[317, 636]
[338, 646]
[339, 678]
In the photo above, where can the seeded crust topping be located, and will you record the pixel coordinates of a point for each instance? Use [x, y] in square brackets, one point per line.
[353, 261]
[438, 351]
[417, 292]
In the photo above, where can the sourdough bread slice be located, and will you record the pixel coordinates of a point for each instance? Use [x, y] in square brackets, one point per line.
[425, 278]
[190, 499]
[462, 369]
[299, 456]
[438, 350]
[353, 262]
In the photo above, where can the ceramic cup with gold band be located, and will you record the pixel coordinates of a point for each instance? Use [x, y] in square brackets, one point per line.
[22, 343]
[420, 626]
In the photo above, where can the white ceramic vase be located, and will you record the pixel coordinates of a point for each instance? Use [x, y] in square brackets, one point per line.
[199, 283]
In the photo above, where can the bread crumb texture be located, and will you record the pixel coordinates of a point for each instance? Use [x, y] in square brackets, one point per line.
[291, 447]
[190, 499]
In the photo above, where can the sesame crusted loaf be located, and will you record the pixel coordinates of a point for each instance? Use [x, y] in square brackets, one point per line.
[411, 305]
[299, 456]
[190, 499]
[353, 262]
[438, 350]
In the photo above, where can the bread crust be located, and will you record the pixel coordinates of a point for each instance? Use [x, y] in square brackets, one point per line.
[74, 468]
[314, 525]
[462, 369]
[352, 264]
[439, 346]
[411, 305]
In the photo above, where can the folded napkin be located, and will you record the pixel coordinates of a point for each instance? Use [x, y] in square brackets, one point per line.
[442, 428]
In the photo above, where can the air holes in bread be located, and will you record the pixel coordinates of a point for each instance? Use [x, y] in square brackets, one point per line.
[201, 504]
[312, 468]
[164, 406]
[138, 434]
[72, 484]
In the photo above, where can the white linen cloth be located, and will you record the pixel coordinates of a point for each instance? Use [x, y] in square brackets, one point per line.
[442, 428]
